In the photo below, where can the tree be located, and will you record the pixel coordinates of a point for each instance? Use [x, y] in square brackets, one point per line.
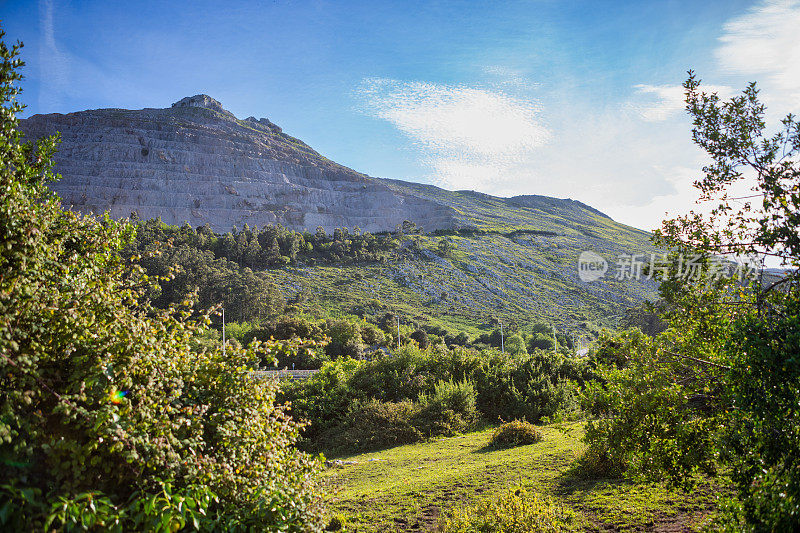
[722, 383]
[515, 345]
[111, 417]
[446, 247]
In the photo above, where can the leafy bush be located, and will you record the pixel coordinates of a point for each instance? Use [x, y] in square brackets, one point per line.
[345, 338]
[597, 463]
[623, 431]
[323, 399]
[515, 511]
[515, 345]
[449, 410]
[515, 433]
[529, 387]
[501, 385]
[372, 425]
[104, 395]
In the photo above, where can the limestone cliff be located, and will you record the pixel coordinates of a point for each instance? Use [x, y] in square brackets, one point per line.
[196, 162]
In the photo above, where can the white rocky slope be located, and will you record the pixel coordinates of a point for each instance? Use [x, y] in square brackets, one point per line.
[195, 162]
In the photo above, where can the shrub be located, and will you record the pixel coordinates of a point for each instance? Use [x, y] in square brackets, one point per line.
[104, 395]
[373, 425]
[527, 387]
[449, 410]
[324, 398]
[515, 345]
[238, 330]
[595, 463]
[515, 511]
[345, 338]
[530, 387]
[515, 433]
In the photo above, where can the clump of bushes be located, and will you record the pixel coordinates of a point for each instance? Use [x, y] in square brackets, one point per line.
[597, 463]
[451, 389]
[515, 433]
[449, 410]
[373, 424]
[114, 417]
[516, 511]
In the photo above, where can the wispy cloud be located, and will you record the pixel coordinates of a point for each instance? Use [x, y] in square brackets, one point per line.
[53, 64]
[66, 76]
[656, 103]
[468, 135]
[764, 42]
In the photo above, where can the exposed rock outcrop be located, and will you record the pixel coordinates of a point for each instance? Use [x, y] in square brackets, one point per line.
[196, 162]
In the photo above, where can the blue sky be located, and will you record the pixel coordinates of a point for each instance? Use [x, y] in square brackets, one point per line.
[563, 98]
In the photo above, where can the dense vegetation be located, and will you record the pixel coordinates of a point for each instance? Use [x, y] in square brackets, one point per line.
[416, 394]
[119, 411]
[112, 415]
[458, 281]
[718, 390]
[210, 269]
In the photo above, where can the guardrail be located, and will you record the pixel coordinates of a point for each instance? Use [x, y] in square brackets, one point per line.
[283, 374]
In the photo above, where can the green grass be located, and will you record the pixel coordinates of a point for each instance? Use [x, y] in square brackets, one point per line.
[520, 280]
[409, 487]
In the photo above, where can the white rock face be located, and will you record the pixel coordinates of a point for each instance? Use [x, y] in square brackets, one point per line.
[196, 163]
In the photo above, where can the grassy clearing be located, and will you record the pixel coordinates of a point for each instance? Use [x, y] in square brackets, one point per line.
[408, 488]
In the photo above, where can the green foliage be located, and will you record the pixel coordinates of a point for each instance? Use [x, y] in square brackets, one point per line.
[446, 248]
[719, 386]
[183, 269]
[515, 433]
[515, 345]
[451, 388]
[541, 341]
[762, 437]
[530, 387]
[450, 409]
[273, 246]
[238, 330]
[625, 432]
[372, 425]
[514, 511]
[324, 398]
[109, 411]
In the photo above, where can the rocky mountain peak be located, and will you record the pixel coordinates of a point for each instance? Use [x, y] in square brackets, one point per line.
[201, 100]
[266, 123]
[196, 162]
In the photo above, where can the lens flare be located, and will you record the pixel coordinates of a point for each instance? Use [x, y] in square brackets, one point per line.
[117, 396]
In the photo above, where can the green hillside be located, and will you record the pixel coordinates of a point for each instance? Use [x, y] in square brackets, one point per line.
[514, 259]
[511, 259]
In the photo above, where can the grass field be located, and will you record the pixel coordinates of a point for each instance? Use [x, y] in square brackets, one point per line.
[409, 487]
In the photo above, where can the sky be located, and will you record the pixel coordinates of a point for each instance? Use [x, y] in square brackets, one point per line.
[566, 98]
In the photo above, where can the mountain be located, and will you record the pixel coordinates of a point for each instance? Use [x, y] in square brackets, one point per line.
[196, 162]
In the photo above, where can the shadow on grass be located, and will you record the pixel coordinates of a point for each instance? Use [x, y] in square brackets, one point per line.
[584, 476]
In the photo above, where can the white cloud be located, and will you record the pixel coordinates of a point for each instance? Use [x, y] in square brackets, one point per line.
[764, 41]
[508, 78]
[468, 135]
[656, 103]
[633, 159]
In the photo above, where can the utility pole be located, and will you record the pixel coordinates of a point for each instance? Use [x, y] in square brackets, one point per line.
[223, 333]
[555, 341]
[398, 332]
[502, 341]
